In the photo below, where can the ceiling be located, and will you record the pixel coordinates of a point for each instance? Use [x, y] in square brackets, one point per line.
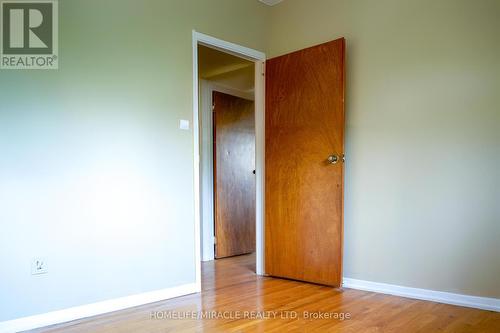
[212, 62]
[271, 2]
[225, 69]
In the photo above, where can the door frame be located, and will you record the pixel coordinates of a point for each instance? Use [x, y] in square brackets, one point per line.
[259, 59]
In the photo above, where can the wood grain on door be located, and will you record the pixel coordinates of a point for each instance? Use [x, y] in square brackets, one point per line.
[234, 179]
[304, 189]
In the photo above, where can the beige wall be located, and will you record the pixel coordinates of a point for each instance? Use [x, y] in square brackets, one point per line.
[422, 205]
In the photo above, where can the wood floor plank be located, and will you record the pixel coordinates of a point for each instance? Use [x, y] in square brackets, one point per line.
[230, 285]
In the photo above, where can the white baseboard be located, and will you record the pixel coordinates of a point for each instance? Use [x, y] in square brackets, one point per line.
[484, 303]
[89, 310]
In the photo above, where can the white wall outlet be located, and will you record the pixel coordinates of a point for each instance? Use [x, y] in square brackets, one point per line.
[39, 266]
[184, 124]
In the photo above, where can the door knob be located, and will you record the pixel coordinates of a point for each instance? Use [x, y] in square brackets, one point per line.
[333, 159]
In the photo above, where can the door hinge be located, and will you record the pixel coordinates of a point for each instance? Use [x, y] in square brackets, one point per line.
[215, 240]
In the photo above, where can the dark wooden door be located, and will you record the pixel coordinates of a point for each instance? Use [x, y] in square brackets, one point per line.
[234, 179]
[304, 164]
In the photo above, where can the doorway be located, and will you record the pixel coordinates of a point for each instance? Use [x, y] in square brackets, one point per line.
[304, 148]
[227, 119]
[231, 75]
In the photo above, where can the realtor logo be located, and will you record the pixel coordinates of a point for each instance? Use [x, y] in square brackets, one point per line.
[29, 34]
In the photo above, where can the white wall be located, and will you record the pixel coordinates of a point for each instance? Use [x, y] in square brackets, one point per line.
[206, 172]
[95, 175]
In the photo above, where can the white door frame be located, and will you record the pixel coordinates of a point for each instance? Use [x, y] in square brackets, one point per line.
[259, 59]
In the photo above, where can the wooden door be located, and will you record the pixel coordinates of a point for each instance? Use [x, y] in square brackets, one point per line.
[234, 178]
[304, 164]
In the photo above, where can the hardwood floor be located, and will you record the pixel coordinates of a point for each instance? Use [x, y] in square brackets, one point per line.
[230, 285]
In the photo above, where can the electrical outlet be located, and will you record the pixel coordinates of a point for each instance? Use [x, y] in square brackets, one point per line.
[39, 266]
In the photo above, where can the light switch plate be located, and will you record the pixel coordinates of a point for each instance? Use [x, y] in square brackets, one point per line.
[184, 124]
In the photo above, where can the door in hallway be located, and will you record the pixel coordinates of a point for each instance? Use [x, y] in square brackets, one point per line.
[234, 178]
